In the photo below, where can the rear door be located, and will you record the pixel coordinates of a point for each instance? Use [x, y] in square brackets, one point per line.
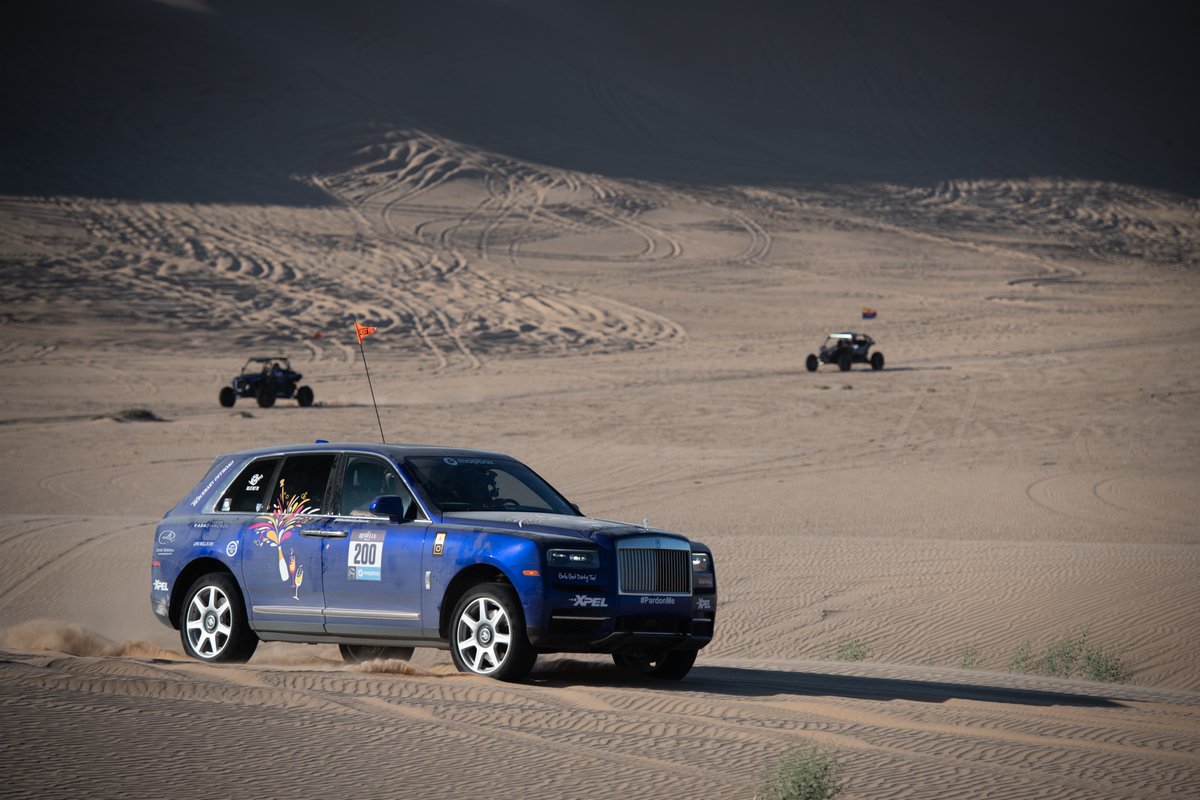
[282, 545]
[372, 576]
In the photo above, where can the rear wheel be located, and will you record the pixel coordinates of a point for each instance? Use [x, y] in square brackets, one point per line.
[214, 626]
[358, 653]
[672, 665]
[812, 362]
[265, 397]
[844, 361]
[227, 397]
[304, 396]
[487, 634]
[877, 361]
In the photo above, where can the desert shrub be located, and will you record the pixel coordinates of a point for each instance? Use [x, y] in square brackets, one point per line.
[133, 415]
[1072, 656]
[1105, 666]
[811, 773]
[847, 649]
[970, 658]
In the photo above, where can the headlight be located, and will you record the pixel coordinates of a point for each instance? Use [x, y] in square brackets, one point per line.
[701, 562]
[573, 558]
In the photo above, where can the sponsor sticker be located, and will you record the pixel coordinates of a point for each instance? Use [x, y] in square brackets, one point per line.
[364, 560]
[583, 601]
[578, 577]
[166, 537]
[196, 500]
[231, 548]
[161, 586]
[703, 604]
[658, 601]
[439, 545]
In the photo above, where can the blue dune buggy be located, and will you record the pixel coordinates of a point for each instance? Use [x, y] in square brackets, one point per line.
[265, 379]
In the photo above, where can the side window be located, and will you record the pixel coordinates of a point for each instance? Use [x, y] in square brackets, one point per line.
[300, 487]
[365, 479]
[249, 490]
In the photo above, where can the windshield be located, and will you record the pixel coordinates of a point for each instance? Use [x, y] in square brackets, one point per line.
[485, 484]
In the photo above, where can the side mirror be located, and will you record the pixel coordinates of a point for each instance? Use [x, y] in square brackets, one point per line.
[392, 506]
[577, 511]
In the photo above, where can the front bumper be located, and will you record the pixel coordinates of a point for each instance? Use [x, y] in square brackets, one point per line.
[573, 632]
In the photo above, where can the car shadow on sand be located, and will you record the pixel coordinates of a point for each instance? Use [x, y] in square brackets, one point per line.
[744, 682]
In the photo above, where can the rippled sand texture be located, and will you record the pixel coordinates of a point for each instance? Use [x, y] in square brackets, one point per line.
[603, 238]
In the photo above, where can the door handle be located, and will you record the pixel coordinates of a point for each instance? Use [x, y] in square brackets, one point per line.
[324, 533]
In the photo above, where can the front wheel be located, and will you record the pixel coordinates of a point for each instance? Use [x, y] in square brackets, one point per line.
[877, 361]
[672, 665]
[845, 361]
[304, 396]
[487, 634]
[214, 626]
[227, 397]
[265, 397]
[358, 653]
[812, 362]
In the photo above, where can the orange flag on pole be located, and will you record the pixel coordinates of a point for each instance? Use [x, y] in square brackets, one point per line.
[363, 331]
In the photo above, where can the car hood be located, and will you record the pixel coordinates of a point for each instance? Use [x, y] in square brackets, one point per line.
[550, 524]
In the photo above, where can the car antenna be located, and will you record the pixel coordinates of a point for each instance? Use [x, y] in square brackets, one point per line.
[363, 331]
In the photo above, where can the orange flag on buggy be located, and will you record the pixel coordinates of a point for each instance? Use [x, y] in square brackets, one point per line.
[363, 331]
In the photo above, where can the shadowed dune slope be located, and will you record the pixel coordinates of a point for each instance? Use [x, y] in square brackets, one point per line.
[231, 101]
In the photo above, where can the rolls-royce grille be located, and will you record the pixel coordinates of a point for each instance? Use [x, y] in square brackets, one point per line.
[652, 571]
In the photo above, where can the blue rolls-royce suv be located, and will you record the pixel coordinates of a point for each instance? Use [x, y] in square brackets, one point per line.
[383, 548]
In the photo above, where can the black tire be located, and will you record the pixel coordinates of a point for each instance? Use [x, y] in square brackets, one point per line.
[812, 362]
[265, 397]
[877, 361]
[212, 625]
[487, 634]
[227, 397]
[672, 665]
[358, 653]
[845, 361]
[304, 396]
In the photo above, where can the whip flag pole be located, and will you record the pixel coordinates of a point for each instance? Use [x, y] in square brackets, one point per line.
[363, 331]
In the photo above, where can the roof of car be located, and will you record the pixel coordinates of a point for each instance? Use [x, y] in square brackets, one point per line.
[397, 451]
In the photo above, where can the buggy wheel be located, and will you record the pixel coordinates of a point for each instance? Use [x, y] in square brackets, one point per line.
[812, 362]
[265, 397]
[227, 397]
[877, 361]
[845, 360]
[672, 665]
[304, 396]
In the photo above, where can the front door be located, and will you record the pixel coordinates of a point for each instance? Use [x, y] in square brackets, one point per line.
[372, 578]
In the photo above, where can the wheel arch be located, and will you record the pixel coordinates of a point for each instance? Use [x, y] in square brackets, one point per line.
[187, 576]
[461, 584]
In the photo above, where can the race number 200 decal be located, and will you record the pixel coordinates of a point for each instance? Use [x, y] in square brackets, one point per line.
[365, 557]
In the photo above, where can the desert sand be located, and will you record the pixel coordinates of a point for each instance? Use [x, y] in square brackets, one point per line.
[603, 237]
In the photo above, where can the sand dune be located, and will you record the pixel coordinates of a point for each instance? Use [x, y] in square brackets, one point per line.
[603, 238]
